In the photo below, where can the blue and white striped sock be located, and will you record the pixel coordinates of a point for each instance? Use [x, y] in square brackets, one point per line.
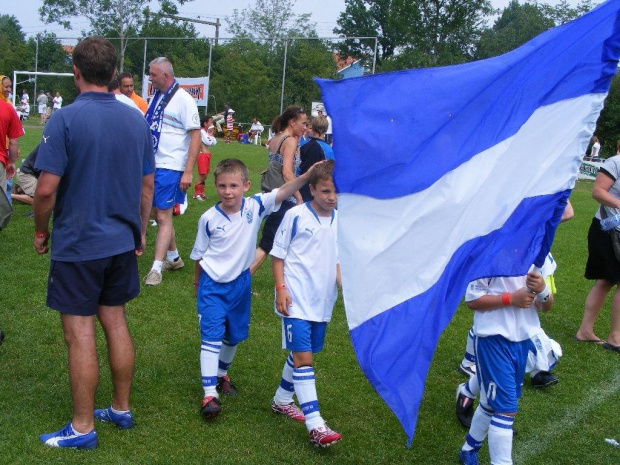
[286, 389]
[500, 439]
[226, 357]
[209, 357]
[305, 388]
[479, 428]
[469, 358]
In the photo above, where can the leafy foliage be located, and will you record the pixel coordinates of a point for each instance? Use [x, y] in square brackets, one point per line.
[15, 53]
[120, 16]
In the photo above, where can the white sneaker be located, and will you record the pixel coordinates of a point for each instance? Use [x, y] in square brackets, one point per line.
[174, 265]
[153, 278]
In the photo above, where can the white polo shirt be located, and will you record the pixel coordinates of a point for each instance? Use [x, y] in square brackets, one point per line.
[514, 323]
[307, 244]
[180, 117]
[226, 244]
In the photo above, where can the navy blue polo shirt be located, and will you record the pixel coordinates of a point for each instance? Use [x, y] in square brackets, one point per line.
[100, 148]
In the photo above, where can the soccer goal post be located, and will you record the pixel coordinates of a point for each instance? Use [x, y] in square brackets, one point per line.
[35, 74]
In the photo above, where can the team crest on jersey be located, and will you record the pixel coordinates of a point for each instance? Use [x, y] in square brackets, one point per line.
[249, 216]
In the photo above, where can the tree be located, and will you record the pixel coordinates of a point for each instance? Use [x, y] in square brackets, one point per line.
[608, 124]
[120, 16]
[378, 18]
[520, 23]
[15, 54]
[413, 32]
[517, 24]
[270, 20]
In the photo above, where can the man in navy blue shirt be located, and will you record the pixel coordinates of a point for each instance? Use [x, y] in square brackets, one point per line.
[96, 162]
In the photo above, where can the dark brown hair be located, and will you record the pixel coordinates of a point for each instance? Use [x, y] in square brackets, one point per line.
[95, 57]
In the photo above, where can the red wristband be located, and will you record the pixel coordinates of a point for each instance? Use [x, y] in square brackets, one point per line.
[41, 235]
[506, 299]
[280, 287]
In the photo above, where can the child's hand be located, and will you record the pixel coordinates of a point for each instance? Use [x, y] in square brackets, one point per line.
[535, 282]
[522, 298]
[283, 301]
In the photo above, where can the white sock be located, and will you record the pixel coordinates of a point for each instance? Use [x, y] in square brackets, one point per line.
[469, 359]
[286, 389]
[118, 412]
[157, 265]
[76, 432]
[209, 356]
[472, 387]
[305, 388]
[226, 357]
[172, 255]
[500, 439]
[479, 428]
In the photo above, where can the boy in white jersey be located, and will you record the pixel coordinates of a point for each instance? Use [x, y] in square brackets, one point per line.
[306, 271]
[223, 251]
[505, 320]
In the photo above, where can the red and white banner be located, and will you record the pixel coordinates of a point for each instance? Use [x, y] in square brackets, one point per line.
[196, 87]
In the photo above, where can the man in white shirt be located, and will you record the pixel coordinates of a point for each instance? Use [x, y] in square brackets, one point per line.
[175, 127]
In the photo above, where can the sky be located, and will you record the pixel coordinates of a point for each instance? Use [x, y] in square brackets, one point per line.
[324, 13]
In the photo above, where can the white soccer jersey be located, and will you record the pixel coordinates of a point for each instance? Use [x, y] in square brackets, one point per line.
[207, 139]
[307, 244]
[226, 244]
[514, 323]
[180, 117]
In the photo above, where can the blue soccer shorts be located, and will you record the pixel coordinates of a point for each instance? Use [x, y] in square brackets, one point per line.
[167, 189]
[79, 288]
[500, 370]
[224, 308]
[302, 335]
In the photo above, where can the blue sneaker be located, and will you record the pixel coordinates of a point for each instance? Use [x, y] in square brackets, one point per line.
[122, 420]
[67, 437]
[469, 457]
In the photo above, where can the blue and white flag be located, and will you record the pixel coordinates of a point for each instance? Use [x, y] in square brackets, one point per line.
[446, 175]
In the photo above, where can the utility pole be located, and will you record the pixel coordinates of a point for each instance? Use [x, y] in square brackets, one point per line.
[217, 23]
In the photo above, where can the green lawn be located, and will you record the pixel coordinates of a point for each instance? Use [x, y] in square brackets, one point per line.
[566, 424]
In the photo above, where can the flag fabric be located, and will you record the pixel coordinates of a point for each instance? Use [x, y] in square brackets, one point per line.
[446, 175]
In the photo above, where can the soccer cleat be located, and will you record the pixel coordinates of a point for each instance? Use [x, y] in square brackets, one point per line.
[210, 407]
[153, 278]
[176, 264]
[121, 420]
[468, 457]
[323, 436]
[224, 386]
[544, 379]
[467, 370]
[289, 410]
[464, 407]
[68, 438]
[202, 198]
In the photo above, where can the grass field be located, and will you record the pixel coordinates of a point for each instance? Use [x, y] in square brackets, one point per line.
[566, 424]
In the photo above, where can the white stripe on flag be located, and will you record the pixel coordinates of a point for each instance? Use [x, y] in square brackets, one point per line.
[403, 251]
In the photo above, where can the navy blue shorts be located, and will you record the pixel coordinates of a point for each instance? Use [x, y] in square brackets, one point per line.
[272, 223]
[79, 288]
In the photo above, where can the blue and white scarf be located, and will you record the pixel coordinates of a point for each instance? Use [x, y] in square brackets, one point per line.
[155, 113]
